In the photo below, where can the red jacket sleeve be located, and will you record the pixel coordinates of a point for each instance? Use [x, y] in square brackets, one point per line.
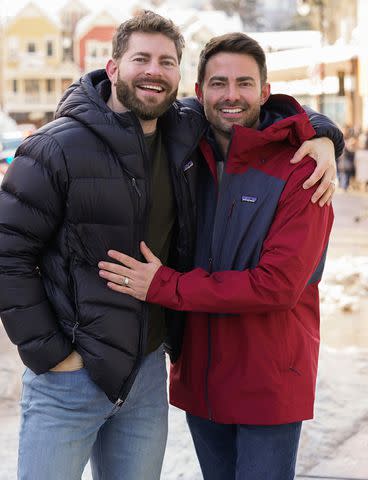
[291, 253]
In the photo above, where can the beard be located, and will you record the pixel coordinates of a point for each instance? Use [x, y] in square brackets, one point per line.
[144, 111]
[225, 127]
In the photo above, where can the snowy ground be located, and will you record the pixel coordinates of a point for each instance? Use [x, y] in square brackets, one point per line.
[342, 389]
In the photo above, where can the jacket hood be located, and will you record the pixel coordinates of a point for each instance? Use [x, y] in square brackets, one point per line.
[282, 119]
[85, 101]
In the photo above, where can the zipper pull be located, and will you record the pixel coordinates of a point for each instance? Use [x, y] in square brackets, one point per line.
[119, 402]
[210, 262]
[232, 209]
[76, 325]
[135, 186]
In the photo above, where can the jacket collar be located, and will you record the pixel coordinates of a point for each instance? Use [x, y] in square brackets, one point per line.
[282, 120]
[85, 101]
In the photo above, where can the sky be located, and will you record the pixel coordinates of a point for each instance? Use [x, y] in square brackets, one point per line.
[11, 7]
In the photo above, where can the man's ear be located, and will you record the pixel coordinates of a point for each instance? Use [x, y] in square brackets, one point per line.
[265, 93]
[112, 71]
[199, 92]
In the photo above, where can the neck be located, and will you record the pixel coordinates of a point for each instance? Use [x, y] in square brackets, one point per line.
[148, 126]
[223, 141]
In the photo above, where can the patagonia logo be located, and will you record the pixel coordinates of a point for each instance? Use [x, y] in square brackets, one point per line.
[248, 199]
[188, 166]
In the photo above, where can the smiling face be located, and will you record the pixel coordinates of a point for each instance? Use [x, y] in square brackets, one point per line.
[232, 92]
[145, 80]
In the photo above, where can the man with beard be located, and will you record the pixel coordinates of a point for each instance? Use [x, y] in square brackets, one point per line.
[247, 371]
[116, 166]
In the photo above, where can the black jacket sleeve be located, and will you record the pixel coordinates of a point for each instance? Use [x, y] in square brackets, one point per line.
[32, 200]
[325, 127]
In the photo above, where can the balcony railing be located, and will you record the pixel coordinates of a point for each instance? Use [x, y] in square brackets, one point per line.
[41, 101]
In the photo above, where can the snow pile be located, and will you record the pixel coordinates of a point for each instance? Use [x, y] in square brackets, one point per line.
[344, 284]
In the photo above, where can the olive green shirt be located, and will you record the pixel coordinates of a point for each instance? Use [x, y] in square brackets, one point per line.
[160, 226]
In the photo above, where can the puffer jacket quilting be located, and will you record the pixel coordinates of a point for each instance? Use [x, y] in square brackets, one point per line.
[78, 188]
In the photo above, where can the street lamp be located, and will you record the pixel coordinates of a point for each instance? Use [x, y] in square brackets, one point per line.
[304, 8]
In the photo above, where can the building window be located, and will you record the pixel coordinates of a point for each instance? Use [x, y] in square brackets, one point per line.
[50, 48]
[15, 86]
[65, 83]
[31, 86]
[31, 47]
[50, 85]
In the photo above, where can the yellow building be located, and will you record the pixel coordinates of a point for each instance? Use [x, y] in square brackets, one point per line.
[34, 73]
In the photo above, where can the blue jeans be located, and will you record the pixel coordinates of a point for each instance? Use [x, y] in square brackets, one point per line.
[63, 426]
[245, 452]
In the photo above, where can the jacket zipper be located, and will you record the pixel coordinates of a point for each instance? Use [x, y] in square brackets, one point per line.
[225, 230]
[210, 265]
[125, 388]
[75, 293]
[188, 220]
[119, 402]
[209, 332]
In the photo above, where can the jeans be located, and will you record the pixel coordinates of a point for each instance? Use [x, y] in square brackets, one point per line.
[245, 452]
[63, 425]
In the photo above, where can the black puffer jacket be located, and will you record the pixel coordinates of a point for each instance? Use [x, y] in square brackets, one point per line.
[78, 188]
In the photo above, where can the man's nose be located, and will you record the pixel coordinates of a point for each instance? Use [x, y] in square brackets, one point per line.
[153, 68]
[233, 93]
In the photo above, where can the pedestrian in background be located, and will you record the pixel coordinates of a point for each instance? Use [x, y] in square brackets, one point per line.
[346, 163]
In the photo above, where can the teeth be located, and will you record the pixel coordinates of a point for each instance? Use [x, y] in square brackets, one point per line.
[231, 110]
[157, 88]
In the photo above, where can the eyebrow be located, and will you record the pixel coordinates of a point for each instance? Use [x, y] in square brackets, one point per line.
[148, 55]
[224, 79]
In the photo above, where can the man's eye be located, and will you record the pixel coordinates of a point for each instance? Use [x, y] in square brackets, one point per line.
[246, 84]
[217, 84]
[139, 59]
[168, 63]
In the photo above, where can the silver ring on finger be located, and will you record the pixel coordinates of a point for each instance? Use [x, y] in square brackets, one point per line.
[126, 281]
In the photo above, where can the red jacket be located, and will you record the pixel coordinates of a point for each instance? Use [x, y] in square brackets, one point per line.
[250, 347]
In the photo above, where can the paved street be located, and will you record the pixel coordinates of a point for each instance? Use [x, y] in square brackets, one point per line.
[350, 236]
[339, 453]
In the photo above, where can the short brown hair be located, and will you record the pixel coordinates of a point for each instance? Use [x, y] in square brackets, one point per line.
[146, 22]
[232, 43]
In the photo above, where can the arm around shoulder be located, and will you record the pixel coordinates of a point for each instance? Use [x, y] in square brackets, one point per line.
[325, 127]
[291, 253]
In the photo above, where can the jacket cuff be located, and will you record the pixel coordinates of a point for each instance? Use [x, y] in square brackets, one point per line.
[46, 348]
[162, 277]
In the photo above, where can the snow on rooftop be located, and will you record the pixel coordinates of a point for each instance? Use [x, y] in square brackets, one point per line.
[304, 57]
[284, 40]
[32, 9]
[99, 18]
[214, 21]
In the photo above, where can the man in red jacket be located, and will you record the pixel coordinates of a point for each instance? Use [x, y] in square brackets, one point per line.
[247, 371]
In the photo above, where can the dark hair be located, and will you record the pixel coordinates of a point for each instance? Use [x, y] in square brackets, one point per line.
[147, 22]
[232, 43]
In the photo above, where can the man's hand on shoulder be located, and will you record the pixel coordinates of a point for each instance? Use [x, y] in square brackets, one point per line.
[70, 364]
[323, 152]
